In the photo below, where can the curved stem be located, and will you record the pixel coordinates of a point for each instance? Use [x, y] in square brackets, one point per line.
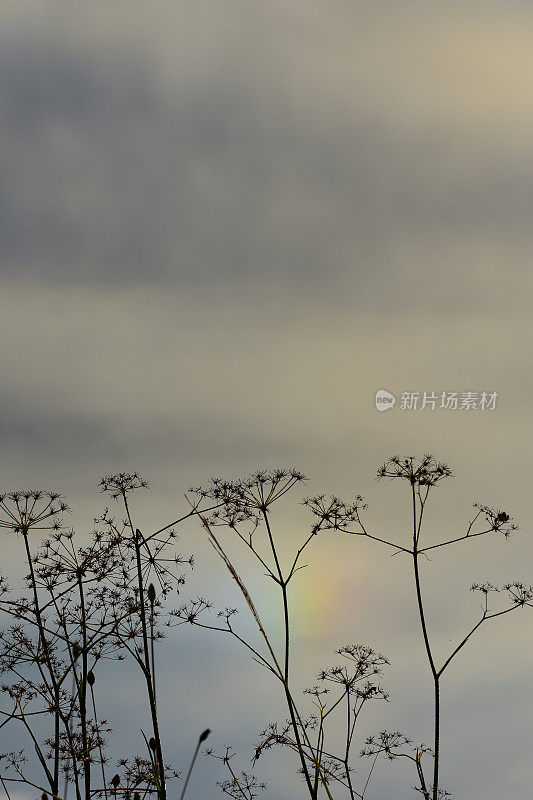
[417, 522]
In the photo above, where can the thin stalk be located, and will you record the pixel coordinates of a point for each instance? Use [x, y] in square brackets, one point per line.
[38, 618]
[349, 733]
[36, 747]
[82, 694]
[5, 788]
[319, 748]
[68, 727]
[421, 778]
[436, 747]
[152, 647]
[54, 688]
[280, 674]
[283, 584]
[138, 539]
[369, 776]
[203, 736]
[99, 745]
[417, 522]
[55, 785]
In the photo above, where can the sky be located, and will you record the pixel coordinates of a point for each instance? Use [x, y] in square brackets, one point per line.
[224, 227]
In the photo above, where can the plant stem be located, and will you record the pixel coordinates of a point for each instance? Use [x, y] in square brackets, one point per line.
[137, 538]
[82, 694]
[436, 746]
[54, 688]
[152, 647]
[55, 785]
[99, 746]
[417, 521]
[313, 790]
[189, 771]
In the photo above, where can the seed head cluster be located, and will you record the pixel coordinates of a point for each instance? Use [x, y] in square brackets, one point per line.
[426, 471]
[32, 510]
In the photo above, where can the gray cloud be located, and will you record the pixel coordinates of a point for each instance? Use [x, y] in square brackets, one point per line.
[118, 172]
[224, 226]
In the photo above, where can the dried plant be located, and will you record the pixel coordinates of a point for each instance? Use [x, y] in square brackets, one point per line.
[84, 605]
[245, 508]
[243, 786]
[422, 475]
[106, 601]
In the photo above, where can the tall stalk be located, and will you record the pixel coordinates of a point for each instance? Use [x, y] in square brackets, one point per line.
[417, 522]
[54, 688]
[282, 673]
[312, 786]
[82, 693]
[422, 475]
[145, 662]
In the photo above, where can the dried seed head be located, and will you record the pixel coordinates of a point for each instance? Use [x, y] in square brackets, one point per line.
[425, 471]
[243, 499]
[498, 520]
[22, 512]
[121, 483]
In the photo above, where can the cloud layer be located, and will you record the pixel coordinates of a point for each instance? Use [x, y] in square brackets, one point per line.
[224, 227]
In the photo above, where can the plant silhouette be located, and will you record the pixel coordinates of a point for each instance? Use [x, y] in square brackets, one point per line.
[107, 600]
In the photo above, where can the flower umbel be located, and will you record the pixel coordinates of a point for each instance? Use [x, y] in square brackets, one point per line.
[334, 514]
[122, 482]
[498, 520]
[426, 471]
[254, 493]
[37, 510]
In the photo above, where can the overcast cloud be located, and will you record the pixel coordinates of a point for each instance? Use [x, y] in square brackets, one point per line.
[223, 227]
